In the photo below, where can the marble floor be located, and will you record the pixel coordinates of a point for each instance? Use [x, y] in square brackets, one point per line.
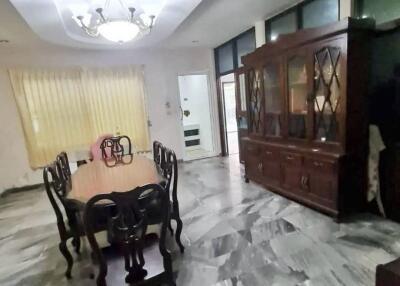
[234, 233]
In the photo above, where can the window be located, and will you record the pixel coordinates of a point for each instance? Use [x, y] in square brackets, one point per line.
[245, 44]
[320, 12]
[382, 11]
[285, 24]
[66, 110]
[225, 58]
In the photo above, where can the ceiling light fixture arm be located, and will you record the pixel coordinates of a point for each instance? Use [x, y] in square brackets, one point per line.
[89, 31]
[102, 18]
[132, 13]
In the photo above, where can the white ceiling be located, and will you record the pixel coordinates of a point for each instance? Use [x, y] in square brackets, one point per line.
[32, 24]
[214, 22]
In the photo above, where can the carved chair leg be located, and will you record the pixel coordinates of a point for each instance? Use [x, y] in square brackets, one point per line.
[76, 242]
[74, 221]
[127, 258]
[101, 277]
[97, 258]
[168, 270]
[65, 252]
[178, 232]
[170, 228]
[136, 272]
[101, 281]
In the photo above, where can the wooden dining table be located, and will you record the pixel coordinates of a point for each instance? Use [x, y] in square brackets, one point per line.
[107, 176]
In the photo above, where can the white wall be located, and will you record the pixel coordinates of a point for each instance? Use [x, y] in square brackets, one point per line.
[162, 68]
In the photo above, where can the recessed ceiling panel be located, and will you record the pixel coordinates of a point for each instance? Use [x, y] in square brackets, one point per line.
[53, 20]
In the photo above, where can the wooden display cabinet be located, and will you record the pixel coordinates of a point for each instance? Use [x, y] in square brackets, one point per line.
[307, 116]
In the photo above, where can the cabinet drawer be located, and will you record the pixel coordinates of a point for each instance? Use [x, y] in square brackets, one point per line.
[252, 149]
[292, 158]
[326, 166]
[270, 154]
[271, 167]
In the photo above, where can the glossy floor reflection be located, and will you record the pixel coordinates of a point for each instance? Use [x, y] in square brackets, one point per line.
[234, 233]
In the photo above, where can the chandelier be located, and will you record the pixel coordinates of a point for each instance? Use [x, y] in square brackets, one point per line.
[117, 25]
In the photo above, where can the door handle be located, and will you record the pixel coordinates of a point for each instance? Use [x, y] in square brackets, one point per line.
[181, 112]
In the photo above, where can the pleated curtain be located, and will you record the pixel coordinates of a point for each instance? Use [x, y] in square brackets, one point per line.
[66, 110]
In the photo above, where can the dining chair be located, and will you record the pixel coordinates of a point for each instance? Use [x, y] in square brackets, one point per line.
[127, 225]
[166, 162]
[170, 172]
[115, 147]
[63, 165]
[56, 190]
[158, 155]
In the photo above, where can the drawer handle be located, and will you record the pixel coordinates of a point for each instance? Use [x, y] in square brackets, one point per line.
[268, 152]
[289, 157]
[260, 167]
[318, 164]
[305, 182]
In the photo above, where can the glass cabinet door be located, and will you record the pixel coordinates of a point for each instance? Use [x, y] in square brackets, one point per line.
[272, 99]
[326, 94]
[297, 100]
[241, 101]
[242, 92]
[255, 98]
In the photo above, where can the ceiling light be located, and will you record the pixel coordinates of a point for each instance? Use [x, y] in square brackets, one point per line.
[115, 27]
[274, 37]
[118, 31]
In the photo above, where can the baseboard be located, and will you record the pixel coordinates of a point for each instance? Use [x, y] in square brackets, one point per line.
[20, 189]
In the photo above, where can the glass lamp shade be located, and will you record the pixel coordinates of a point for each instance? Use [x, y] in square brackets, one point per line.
[118, 31]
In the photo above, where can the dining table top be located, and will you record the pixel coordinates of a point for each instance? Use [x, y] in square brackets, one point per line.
[107, 176]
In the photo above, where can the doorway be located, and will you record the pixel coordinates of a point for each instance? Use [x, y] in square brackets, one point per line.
[196, 116]
[228, 92]
[229, 97]
[232, 102]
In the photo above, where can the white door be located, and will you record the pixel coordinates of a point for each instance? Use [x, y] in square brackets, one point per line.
[196, 116]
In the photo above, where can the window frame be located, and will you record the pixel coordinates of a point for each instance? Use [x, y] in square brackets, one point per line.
[268, 22]
[298, 10]
[232, 41]
[307, 2]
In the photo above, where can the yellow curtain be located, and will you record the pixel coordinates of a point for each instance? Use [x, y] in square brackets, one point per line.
[66, 110]
[116, 103]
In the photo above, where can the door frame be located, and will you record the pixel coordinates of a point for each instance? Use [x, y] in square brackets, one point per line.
[224, 113]
[221, 110]
[213, 115]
